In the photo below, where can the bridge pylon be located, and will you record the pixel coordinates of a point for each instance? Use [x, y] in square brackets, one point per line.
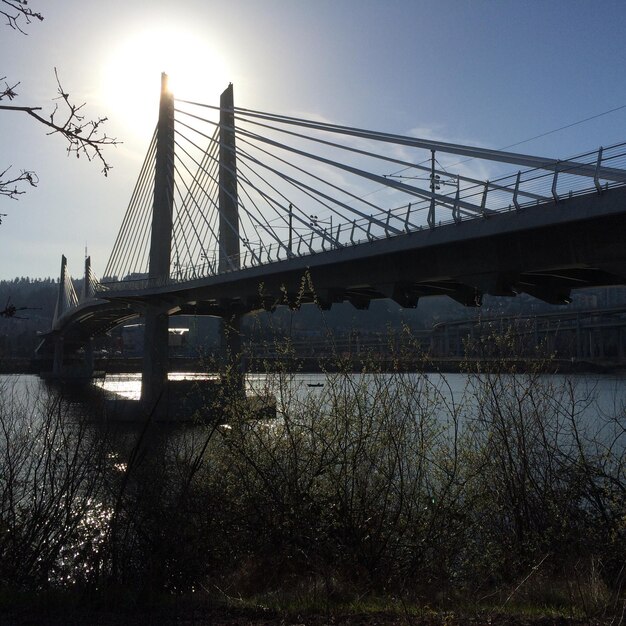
[57, 362]
[228, 200]
[154, 386]
[154, 373]
[79, 365]
[88, 290]
[229, 250]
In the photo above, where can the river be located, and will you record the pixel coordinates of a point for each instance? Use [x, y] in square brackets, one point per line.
[604, 394]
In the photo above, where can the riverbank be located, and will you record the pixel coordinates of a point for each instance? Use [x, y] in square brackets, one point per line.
[316, 365]
[17, 366]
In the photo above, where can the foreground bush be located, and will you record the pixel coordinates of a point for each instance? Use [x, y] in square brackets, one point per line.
[51, 479]
[406, 485]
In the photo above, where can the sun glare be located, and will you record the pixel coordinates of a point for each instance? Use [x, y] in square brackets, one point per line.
[132, 74]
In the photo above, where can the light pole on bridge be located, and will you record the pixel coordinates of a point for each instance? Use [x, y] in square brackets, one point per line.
[290, 228]
[315, 221]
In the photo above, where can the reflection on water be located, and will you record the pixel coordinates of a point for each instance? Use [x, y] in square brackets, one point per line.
[605, 394]
[129, 385]
[77, 558]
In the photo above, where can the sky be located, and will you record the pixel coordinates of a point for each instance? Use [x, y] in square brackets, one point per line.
[489, 73]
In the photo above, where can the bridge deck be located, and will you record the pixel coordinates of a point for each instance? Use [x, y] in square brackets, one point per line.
[545, 250]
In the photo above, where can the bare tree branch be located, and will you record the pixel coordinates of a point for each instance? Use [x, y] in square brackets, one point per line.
[8, 91]
[10, 310]
[9, 187]
[17, 12]
[84, 137]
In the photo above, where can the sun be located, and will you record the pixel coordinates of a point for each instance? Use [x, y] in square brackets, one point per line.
[131, 76]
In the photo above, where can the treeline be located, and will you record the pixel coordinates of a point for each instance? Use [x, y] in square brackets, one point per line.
[34, 300]
[507, 491]
[37, 294]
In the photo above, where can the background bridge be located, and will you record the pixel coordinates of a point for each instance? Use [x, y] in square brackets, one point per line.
[236, 210]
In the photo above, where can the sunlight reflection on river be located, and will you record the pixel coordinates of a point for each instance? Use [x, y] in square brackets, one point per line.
[607, 393]
[129, 385]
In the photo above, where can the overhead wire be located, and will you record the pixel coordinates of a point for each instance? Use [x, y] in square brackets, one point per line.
[202, 214]
[198, 182]
[130, 228]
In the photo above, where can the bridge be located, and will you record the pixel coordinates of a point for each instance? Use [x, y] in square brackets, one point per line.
[237, 210]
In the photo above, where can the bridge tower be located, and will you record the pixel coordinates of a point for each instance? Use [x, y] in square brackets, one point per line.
[88, 290]
[228, 201]
[72, 356]
[57, 362]
[228, 205]
[155, 360]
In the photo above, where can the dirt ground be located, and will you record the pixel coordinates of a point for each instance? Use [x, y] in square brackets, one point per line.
[256, 617]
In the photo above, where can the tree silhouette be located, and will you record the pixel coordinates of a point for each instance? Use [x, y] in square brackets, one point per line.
[84, 137]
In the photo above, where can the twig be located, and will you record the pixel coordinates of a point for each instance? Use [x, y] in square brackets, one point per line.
[533, 570]
[19, 10]
[84, 137]
[9, 188]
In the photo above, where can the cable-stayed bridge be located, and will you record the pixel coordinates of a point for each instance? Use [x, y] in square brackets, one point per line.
[236, 210]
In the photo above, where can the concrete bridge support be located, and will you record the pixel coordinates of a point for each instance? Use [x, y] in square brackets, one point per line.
[154, 374]
[228, 199]
[57, 359]
[229, 251]
[231, 351]
[154, 387]
[155, 358]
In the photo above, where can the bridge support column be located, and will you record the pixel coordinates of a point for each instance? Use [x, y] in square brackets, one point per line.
[57, 359]
[232, 354]
[229, 251]
[89, 363]
[72, 361]
[154, 373]
[155, 358]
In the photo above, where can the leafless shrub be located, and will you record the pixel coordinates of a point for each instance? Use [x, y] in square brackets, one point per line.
[49, 477]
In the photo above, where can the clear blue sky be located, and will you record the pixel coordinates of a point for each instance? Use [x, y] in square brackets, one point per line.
[489, 73]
